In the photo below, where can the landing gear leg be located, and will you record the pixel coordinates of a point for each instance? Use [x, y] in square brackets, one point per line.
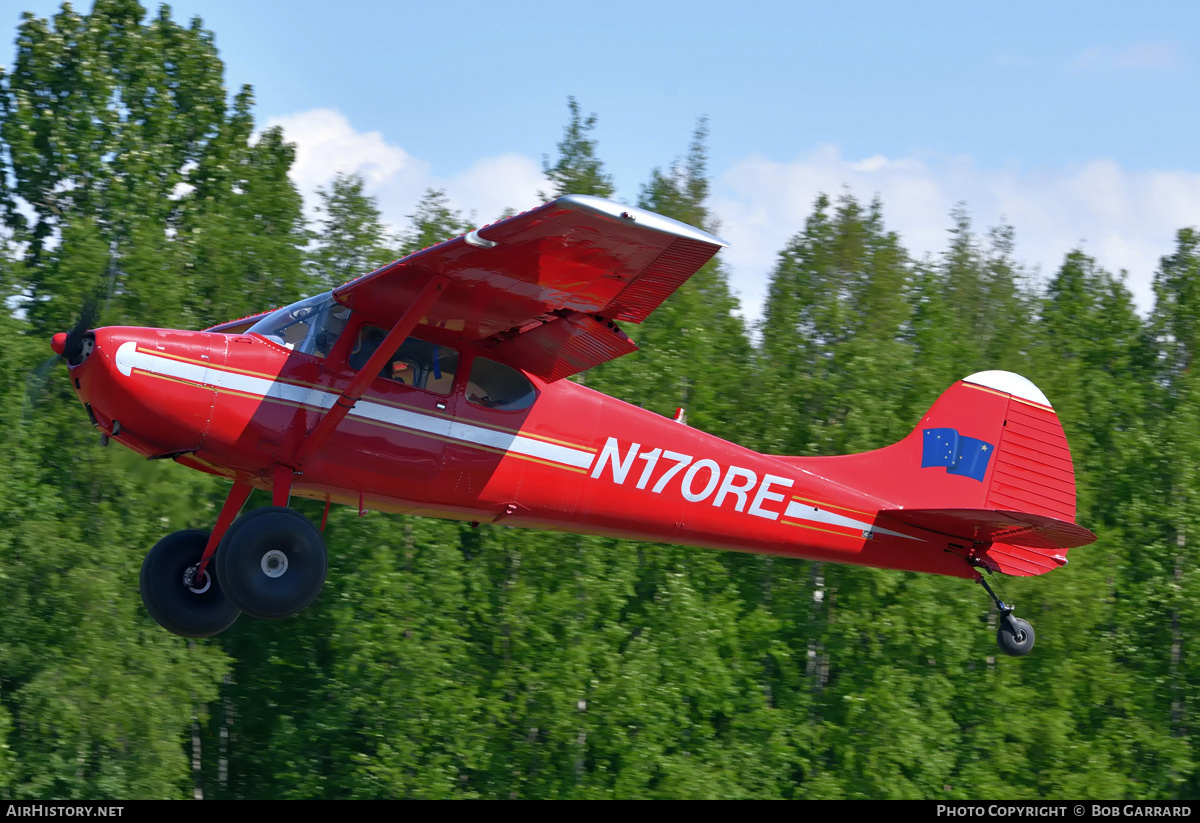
[1015, 636]
[180, 592]
[272, 562]
[233, 504]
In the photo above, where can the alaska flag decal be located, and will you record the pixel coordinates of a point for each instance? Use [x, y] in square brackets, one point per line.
[966, 456]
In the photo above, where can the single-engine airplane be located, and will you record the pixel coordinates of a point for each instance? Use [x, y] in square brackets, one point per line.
[435, 386]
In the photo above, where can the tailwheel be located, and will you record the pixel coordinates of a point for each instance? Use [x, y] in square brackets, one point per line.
[1015, 636]
[176, 598]
[272, 562]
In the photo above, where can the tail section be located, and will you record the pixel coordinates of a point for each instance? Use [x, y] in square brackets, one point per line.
[988, 464]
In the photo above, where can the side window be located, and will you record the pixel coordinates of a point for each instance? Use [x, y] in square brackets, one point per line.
[416, 363]
[369, 338]
[497, 386]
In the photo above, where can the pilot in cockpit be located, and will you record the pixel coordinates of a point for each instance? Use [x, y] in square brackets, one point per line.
[401, 371]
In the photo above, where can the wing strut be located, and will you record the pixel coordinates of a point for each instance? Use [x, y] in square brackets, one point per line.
[370, 370]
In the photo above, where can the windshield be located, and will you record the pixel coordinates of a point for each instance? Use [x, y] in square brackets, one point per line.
[310, 326]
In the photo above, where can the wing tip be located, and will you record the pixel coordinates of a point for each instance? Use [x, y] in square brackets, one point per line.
[645, 219]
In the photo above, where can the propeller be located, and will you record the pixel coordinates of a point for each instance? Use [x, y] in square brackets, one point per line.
[69, 345]
[75, 345]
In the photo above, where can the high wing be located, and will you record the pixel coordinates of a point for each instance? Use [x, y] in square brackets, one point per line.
[545, 286]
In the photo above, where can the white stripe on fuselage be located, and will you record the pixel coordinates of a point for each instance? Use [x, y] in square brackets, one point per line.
[128, 358]
[803, 511]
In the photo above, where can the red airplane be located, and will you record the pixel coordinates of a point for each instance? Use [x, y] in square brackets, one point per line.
[434, 386]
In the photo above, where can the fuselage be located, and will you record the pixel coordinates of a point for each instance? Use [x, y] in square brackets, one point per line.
[551, 456]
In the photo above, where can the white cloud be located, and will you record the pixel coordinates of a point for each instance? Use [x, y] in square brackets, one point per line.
[1149, 56]
[1125, 219]
[494, 184]
[326, 144]
[1144, 55]
[1089, 59]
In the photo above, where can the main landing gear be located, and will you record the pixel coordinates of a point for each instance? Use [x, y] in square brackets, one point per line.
[1015, 635]
[181, 601]
[270, 563]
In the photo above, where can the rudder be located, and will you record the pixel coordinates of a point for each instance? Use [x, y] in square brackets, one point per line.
[1031, 469]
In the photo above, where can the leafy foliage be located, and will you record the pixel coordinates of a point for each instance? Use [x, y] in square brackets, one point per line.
[577, 170]
[351, 239]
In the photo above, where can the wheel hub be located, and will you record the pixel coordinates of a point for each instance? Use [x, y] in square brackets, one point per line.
[274, 563]
[194, 584]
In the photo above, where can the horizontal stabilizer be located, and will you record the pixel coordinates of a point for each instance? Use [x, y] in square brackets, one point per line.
[1022, 543]
[991, 526]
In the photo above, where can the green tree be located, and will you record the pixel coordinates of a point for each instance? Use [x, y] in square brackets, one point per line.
[577, 169]
[144, 188]
[242, 238]
[119, 131]
[351, 238]
[694, 335]
[833, 335]
[432, 222]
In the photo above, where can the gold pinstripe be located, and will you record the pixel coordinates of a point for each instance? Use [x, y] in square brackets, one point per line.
[367, 420]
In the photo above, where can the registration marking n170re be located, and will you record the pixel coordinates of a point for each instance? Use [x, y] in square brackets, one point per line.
[657, 470]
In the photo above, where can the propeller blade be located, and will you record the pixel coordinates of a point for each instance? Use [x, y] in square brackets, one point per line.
[73, 343]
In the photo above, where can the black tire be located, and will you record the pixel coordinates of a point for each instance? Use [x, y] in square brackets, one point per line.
[272, 562]
[200, 611]
[1015, 636]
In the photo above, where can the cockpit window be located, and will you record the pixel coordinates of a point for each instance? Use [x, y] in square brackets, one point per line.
[417, 363]
[311, 326]
[497, 386]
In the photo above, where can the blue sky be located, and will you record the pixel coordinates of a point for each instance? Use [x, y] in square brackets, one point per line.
[1075, 122]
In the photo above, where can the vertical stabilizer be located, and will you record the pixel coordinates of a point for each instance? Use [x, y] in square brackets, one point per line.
[989, 463]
